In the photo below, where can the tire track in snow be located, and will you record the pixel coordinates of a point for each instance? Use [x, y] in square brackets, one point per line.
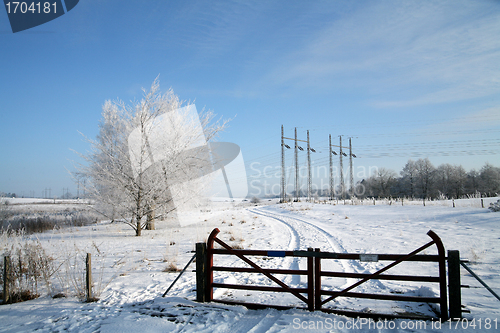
[303, 230]
[334, 243]
[256, 321]
[291, 263]
[294, 243]
[293, 224]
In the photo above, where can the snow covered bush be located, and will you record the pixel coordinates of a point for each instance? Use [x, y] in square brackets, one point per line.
[495, 206]
[29, 267]
[4, 209]
[255, 200]
[30, 223]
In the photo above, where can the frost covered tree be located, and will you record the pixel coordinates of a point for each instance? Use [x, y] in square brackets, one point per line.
[450, 180]
[383, 181]
[456, 178]
[495, 206]
[471, 182]
[458, 181]
[421, 179]
[145, 155]
[380, 184]
[408, 175]
[443, 178]
[425, 172]
[490, 180]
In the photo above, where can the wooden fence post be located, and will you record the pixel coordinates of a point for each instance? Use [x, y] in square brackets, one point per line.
[317, 281]
[201, 272]
[455, 298]
[310, 282]
[88, 277]
[6, 280]
[443, 303]
[209, 264]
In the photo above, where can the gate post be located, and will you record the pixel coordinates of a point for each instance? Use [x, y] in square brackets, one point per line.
[201, 272]
[455, 300]
[443, 304]
[210, 263]
[88, 277]
[317, 282]
[310, 281]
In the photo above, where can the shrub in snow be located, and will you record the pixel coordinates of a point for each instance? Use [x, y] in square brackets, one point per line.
[495, 206]
[255, 200]
[30, 223]
[29, 266]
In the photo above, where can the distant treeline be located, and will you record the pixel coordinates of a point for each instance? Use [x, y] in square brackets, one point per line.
[14, 220]
[7, 195]
[421, 179]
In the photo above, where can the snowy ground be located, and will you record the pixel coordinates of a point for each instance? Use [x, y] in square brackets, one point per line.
[129, 272]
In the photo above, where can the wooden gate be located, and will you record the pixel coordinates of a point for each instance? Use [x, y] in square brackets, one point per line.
[312, 295]
[205, 288]
[396, 259]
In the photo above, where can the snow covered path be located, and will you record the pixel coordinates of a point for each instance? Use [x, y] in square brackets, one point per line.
[134, 266]
[318, 234]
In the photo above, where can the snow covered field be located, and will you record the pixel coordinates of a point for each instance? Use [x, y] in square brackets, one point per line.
[129, 274]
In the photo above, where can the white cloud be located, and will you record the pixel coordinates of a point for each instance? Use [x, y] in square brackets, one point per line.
[427, 52]
[485, 119]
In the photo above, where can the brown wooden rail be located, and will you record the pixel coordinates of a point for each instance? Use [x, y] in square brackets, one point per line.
[312, 294]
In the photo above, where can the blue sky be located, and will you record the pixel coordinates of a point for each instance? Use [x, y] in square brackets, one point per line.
[404, 79]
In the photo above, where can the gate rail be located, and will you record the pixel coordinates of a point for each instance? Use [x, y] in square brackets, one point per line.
[297, 292]
[312, 294]
[440, 258]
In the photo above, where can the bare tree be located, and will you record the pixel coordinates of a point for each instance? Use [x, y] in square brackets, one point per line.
[384, 180]
[421, 179]
[408, 174]
[490, 180]
[425, 176]
[450, 180]
[146, 155]
[471, 183]
[381, 183]
[458, 181]
[444, 179]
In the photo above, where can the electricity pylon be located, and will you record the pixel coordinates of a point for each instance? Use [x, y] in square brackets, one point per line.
[297, 148]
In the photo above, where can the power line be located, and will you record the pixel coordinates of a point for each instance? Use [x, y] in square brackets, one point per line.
[296, 155]
[271, 161]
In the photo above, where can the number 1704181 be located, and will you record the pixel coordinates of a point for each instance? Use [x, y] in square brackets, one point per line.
[33, 7]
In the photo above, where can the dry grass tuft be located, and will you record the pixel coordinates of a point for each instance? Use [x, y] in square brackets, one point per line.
[172, 267]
